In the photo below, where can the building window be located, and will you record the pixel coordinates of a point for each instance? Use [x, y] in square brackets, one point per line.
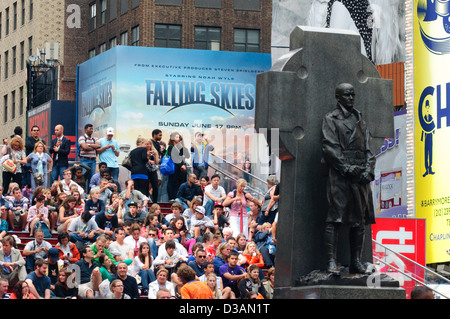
[246, 40]
[112, 9]
[1, 24]
[247, 5]
[92, 16]
[135, 4]
[123, 6]
[167, 36]
[7, 21]
[30, 46]
[15, 16]
[207, 38]
[6, 58]
[91, 53]
[124, 38]
[5, 108]
[14, 60]
[169, 2]
[112, 42]
[31, 9]
[13, 105]
[101, 48]
[135, 36]
[208, 3]
[23, 12]
[22, 55]
[21, 100]
[103, 12]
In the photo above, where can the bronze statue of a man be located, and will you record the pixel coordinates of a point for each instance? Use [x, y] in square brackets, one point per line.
[345, 146]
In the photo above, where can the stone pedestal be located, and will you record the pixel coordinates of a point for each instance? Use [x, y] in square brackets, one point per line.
[339, 292]
[324, 285]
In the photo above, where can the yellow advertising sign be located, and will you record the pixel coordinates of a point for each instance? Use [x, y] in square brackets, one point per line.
[431, 124]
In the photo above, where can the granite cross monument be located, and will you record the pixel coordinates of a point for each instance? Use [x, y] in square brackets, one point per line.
[294, 97]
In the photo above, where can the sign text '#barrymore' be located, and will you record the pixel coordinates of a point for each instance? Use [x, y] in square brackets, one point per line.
[228, 96]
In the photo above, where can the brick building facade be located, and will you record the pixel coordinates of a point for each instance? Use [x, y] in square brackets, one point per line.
[85, 28]
[227, 25]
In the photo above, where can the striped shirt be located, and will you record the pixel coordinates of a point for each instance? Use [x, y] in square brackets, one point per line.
[88, 141]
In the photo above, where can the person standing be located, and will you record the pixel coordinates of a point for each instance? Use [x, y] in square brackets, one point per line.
[108, 153]
[178, 153]
[16, 153]
[238, 200]
[41, 165]
[60, 150]
[139, 172]
[31, 140]
[88, 151]
[30, 143]
[201, 149]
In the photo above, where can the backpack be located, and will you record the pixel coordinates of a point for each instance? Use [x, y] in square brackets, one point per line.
[234, 195]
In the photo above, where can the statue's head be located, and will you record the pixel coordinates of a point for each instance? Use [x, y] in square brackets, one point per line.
[345, 94]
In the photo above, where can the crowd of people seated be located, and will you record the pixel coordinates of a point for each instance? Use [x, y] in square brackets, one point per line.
[114, 241]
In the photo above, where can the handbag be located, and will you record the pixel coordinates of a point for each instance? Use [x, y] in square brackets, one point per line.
[127, 162]
[167, 166]
[9, 165]
[151, 167]
[38, 178]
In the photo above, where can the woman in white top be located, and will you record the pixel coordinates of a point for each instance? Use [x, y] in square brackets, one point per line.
[143, 266]
[160, 282]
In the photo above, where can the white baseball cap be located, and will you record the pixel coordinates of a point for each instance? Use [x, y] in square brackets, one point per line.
[109, 131]
[200, 209]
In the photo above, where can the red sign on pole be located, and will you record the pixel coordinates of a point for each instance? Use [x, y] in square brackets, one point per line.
[404, 236]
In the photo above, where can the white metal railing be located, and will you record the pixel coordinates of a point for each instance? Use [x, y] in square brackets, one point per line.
[419, 276]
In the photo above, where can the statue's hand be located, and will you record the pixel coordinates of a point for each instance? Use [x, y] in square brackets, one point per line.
[354, 170]
[366, 178]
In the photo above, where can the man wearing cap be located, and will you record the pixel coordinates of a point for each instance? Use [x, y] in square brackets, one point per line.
[219, 219]
[54, 266]
[133, 214]
[107, 220]
[200, 223]
[108, 153]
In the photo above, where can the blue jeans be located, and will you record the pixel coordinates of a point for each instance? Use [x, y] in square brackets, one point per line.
[58, 171]
[114, 173]
[208, 206]
[185, 206]
[147, 276]
[75, 237]
[163, 196]
[92, 163]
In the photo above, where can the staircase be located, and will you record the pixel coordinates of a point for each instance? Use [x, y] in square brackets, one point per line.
[408, 272]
